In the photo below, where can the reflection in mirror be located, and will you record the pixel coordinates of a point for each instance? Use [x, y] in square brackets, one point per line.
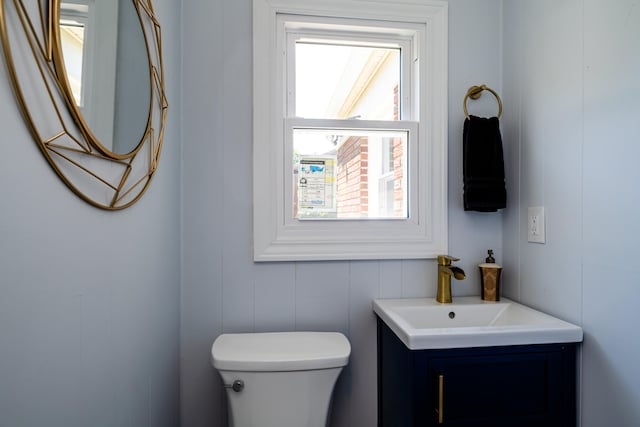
[107, 69]
[73, 21]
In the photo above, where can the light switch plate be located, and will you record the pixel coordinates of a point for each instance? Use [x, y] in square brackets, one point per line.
[535, 225]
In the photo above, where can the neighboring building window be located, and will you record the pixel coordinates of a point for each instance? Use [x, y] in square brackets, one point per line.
[349, 129]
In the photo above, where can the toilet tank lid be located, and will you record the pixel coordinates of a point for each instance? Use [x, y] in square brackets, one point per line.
[280, 351]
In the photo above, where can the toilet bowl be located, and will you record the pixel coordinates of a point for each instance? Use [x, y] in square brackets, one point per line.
[280, 379]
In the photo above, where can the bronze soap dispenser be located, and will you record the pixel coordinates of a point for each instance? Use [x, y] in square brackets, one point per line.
[490, 278]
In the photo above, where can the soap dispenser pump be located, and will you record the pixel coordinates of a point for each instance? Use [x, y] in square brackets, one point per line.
[490, 278]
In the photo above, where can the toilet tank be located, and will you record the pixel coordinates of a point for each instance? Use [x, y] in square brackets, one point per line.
[288, 377]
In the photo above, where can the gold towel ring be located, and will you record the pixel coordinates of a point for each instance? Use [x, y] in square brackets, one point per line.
[475, 92]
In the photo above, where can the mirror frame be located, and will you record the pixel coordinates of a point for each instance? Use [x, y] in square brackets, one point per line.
[98, 176]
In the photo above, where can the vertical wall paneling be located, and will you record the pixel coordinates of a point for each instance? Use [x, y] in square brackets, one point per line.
[611, 202]
[573, 67]
[513, 59]
[203, 181]
[551, 144]
[275, 297]
[474, 59]
[89, 299]
[364, 286]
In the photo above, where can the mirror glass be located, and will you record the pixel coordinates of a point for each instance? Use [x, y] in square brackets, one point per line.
[107, 69]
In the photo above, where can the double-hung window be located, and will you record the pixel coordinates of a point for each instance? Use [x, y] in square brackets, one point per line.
[349, 129]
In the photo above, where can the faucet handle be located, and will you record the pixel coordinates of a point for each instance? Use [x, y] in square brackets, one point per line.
[446, 259]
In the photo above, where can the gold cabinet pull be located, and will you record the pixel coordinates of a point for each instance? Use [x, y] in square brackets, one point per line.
[440, 410]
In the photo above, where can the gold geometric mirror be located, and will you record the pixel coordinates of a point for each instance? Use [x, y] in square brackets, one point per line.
[89, 80]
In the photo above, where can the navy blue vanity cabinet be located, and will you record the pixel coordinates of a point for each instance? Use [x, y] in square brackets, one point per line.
[510, 386]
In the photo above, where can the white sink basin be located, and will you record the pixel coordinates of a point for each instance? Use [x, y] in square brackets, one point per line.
[423, 323]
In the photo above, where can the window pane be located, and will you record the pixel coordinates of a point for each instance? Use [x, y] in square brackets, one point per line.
[337, 81]
[345, 174]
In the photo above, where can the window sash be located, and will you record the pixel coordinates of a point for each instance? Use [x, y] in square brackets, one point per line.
[387, 35]
[410, 178]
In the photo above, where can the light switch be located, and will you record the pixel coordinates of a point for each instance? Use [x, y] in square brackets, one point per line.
[535, 225]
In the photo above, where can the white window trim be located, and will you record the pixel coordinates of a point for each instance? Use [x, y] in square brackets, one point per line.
[278, 236]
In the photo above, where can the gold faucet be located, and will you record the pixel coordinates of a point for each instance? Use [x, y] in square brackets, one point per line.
[445, 271]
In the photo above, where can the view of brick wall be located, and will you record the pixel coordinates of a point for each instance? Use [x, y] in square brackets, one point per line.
[353, 180]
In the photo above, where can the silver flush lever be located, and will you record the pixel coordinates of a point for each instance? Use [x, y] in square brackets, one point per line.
[237, 386]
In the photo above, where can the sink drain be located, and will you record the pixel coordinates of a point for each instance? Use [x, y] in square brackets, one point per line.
[451, 315]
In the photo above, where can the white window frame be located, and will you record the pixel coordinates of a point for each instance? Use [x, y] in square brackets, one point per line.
[280, 237]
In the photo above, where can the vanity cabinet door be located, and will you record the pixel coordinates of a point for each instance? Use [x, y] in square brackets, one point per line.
[511, 386]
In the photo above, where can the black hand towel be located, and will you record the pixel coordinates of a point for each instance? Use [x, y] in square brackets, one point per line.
[483, 165]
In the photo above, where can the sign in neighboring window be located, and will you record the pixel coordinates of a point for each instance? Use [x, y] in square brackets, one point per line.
[316, 181]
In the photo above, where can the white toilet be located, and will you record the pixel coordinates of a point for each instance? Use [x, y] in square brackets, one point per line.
[280, 379]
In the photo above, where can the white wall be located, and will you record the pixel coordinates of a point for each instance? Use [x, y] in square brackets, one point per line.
[223, 290]
[89, 299]
[571, 88]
